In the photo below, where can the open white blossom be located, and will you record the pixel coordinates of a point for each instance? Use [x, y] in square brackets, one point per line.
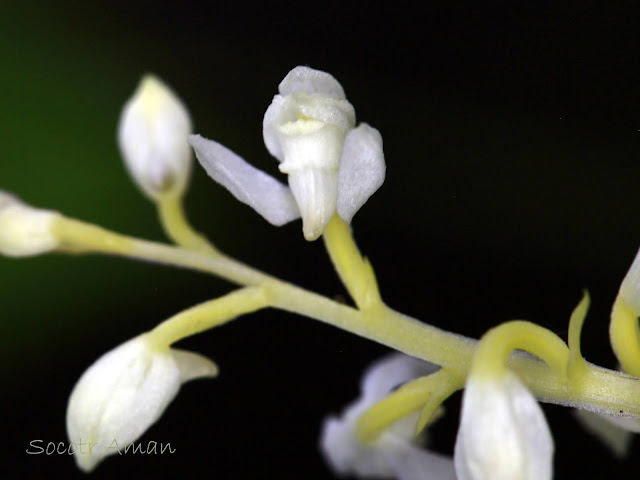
[331, 166]
[395, 454]
[153, 138]
[503, 434]
[123, 393]
[24, 230]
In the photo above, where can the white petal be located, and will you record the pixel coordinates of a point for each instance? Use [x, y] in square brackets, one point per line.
[120, 396]
[281, 111]
[152, 135]
[345, 454]
[362, 170]
[309, 80]
[271, 199]
[390, 372]
[409, 462]
[503, 434]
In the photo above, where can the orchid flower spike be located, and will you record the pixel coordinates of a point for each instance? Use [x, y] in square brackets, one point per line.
[395, 453]
[503, 434]
[123, 393]
[153, 138]
[331, 165]
[24, 230]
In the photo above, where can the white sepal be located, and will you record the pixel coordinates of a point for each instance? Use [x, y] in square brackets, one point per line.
[309, 80]
[25, 231]
[267, 196]
[362, 170]
[395, 454]
[152, 135]
[123, 393]
[503, 434]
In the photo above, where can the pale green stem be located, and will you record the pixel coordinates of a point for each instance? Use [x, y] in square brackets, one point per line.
[178, 229]
[577, 365]
[424, 393]
[601, 389]
[496, 346]
[355, 271]
[208, 315]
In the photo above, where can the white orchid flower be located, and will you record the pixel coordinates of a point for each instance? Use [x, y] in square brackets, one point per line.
[331, 166]
[503, 434]
[24, 230]
[153, 137]
[395, 454]
[123, 393]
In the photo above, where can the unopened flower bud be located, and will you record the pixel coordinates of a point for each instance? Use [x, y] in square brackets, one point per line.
[503, 434]
[152, 135]
[124, 392]
[25, 231]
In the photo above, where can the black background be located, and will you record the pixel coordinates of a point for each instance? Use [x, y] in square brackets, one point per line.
[511, 136]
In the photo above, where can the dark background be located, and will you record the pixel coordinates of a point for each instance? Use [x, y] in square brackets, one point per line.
[511, 131]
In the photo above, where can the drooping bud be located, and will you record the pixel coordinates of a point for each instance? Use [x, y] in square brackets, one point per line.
[503, 434]
[123, 393]
[153, 138]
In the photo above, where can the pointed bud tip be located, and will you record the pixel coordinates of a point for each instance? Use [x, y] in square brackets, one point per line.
[152, 135]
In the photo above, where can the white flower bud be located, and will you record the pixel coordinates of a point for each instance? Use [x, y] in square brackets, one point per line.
[152, 135]
[503, 434]
[24, 230]
[123, 393]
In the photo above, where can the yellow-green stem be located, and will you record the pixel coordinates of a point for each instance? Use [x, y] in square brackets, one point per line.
[577, 365]
[429, 391]
[208, 315]
[603, 390]
[178, 229]
[497, 344]
[355, 271]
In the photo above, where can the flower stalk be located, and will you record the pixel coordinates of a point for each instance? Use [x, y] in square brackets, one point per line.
[600, 389]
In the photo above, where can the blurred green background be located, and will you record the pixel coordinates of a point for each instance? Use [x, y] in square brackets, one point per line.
[511, 137]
